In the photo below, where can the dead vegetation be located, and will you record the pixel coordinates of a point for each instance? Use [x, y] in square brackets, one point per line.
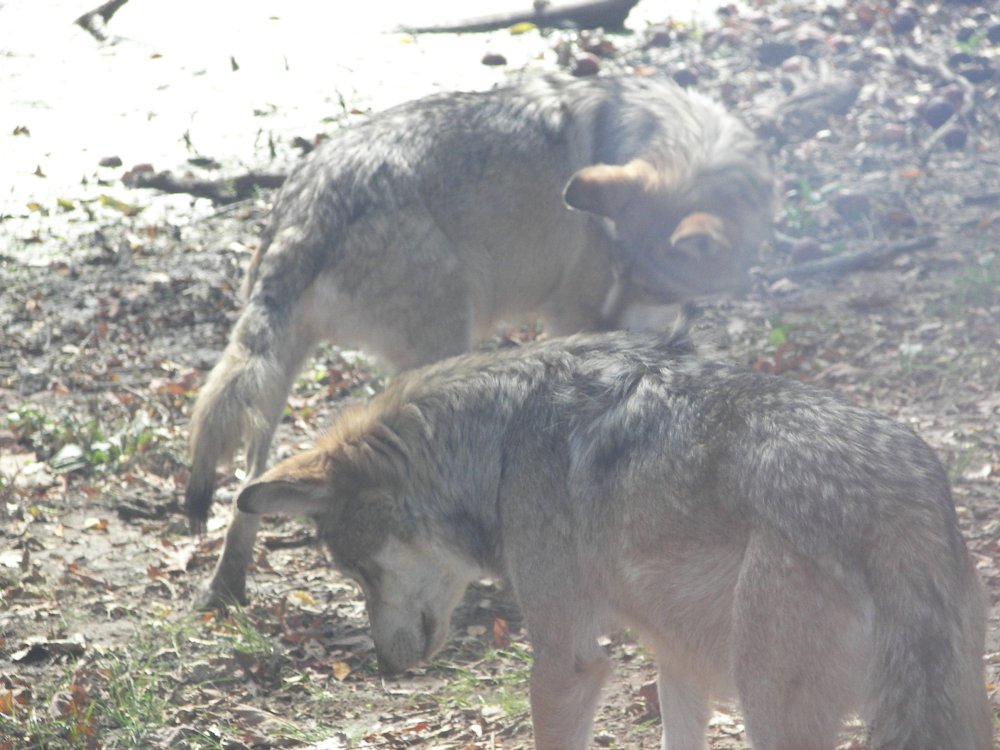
[103, 348]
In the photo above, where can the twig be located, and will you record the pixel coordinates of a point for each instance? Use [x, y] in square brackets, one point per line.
[982, 199]
[609, 14]
[221, 192]
[96, 20]
[848, 262]
[294, 541]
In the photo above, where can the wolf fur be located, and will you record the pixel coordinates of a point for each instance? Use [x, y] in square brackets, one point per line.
[767, 540]
[416, 232]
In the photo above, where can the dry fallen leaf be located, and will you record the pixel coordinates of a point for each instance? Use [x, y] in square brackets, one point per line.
[340, 669]
[95, 524]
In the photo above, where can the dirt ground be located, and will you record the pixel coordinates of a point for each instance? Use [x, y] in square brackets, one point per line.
[884, 127]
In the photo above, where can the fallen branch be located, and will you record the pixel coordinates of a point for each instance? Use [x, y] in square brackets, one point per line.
[220, 192]
[96, 20]
[849, 262]
[608, 14]
[289, 541]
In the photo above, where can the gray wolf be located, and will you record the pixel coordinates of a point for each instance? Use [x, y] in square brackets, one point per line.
[767, 540]
[414, 233]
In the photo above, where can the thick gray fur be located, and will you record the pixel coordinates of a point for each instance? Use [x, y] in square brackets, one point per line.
[768, 540]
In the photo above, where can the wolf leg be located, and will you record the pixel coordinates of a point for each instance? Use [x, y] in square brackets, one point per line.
[565, 686]
[798, 657]
[265, 381]
[683, 707]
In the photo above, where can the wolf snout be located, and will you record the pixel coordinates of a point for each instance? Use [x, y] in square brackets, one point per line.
[409, 645]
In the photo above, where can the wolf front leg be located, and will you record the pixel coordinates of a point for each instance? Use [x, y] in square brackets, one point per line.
[229, 579]
[565, 686]
[684, 707]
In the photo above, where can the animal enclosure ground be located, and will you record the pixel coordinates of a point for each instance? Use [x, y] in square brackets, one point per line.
[114, 303]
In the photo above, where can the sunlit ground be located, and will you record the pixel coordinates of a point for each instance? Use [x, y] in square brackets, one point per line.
[223, 79]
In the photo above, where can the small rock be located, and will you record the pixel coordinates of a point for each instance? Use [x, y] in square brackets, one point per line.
[809, 37]
[774, 53]
[893, 133]
[205, 162]
[993, 33]
[659, 36]
[953, 93]
[779, 26]
[936, 111]
[839, 43]
[794, 64]
[585, 65]
[978, 71]
[904, 19]
[110, 161]
[493, 59]
[965, 32]
[898, 217]
[805, 249]
[955, 137]
[866, 15]
[685, 77]
[730, 37]
[959, 58]
[851, 205]
[600, 46]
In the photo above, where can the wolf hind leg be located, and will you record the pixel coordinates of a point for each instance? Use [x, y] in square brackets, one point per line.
[798, 653]
[260, 386]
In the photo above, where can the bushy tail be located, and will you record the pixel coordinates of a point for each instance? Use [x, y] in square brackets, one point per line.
[926, 681]
[244, 394]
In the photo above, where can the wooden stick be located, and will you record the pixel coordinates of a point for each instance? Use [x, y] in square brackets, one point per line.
[609, 14]
[96, 20]
[848, 262]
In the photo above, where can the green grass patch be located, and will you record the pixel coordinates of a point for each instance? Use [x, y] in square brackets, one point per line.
[499, 679]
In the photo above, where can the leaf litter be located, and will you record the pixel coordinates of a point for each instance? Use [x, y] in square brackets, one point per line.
[128, 296]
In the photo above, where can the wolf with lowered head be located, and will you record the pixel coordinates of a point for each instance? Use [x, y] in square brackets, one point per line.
[412, 234]
[768, 541]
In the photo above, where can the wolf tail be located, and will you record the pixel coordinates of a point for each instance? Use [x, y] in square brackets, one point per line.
[244, 394]
[926, 684]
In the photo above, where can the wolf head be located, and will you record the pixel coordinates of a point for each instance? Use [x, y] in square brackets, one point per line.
[679, 232]
[349, 485]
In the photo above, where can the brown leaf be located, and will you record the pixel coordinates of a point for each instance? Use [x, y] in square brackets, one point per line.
[501, 633]
[341, 670]
[651, 698]
[95, 524]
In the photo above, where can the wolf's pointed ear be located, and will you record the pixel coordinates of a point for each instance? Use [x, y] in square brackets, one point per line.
[606, 189]
[289, 497]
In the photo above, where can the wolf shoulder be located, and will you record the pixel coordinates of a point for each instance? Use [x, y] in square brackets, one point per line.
[628, 401]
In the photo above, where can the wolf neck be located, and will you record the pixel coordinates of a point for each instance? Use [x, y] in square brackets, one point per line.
[452, 472]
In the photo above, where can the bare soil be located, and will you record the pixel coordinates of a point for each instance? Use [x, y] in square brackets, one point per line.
[112, 314]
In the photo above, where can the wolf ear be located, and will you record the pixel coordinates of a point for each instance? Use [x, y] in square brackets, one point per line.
[288, 497]
[698, 232]
[607, 189]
